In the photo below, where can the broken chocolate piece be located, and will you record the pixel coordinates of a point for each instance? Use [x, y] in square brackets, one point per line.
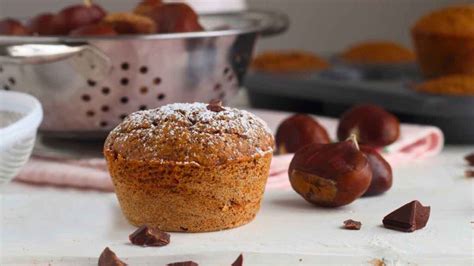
[146, 236]
[408, 218]
[215, 106]
[470, 159]
[239, 261]
[108, 258]
[183, 263]
[469, 173]
[352, 225]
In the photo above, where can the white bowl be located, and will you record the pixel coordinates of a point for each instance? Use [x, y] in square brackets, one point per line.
[17, 139]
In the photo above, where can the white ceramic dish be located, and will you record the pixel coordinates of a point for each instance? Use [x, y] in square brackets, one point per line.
[18, 137]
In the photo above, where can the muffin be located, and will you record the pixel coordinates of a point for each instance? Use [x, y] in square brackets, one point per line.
[458, 85]
[190, 167]
[444, 41]
[289, 61]
[377, 52]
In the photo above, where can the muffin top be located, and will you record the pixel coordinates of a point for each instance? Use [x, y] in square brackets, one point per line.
[451, 21]
[376, 52]
[460, 85]
[198, 133]
[289, 61]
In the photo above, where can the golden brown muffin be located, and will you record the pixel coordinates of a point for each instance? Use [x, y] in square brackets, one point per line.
[378, 52]
[444, 41]
[130, 23]
[183, 167]
[460, 85]
[145, 7]
[289, 61]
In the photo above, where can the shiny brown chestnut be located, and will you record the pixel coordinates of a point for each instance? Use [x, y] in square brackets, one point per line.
[175, 17]
[42, 24]
[371, 124]
[381, 172]
[94, 30]
[76, 16]
[10, 26]
[298, 131]
[330, 175]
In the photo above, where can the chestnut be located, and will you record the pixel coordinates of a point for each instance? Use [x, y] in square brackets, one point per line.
[381, 172]
[76, 16]
[94, 30]
[297, 131]
[371, 124]
[330, 175]
[175, 17]
[10, 26]
[42, 24]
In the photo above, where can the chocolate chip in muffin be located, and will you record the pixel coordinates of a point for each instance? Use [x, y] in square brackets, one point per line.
[215, 106]
[239, 261]
[108, 258]
[146, 236]
[352, 225]
[183, 263]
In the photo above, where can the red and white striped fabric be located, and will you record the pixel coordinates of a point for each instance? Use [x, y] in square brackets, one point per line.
[416, 142]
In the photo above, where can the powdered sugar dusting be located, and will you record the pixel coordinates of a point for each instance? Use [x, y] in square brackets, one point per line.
[193, 132]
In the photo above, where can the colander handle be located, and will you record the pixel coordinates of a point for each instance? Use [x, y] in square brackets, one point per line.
[86, 59]
[276, 23]
[42, 53]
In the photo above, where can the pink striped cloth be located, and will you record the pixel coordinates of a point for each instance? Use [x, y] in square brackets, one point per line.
[416, 142]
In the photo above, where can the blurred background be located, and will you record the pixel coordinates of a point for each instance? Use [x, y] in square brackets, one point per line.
[316, 25]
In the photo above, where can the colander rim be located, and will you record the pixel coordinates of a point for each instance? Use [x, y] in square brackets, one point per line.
[265, 21]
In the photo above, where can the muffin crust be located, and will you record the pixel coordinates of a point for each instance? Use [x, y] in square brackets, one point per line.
[183, 167]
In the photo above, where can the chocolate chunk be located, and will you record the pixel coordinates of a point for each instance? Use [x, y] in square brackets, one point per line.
[470, 159]
[215, 106]
[108, 258]
[469, 173]
[408, 218]
[183, 263]
[239, 261]
[146, 236]
[352, 225]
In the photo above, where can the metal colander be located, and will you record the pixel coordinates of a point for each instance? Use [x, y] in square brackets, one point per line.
[88, 85]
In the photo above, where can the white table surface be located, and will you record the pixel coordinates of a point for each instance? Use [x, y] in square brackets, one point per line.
[59, 226]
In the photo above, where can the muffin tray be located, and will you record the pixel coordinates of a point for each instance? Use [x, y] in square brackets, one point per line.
[331, 92]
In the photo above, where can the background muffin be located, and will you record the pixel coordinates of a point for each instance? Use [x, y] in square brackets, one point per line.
[183, 167]
[460, 85]
[377, 52]
[444, 41]
[289, 61]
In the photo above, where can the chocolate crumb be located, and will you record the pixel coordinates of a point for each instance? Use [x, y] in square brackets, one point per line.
[469, 173]
[352, 225]
[239, 261]
[408, 218]
[108, 258]
[470, 159]
[183, 263]
[215, 106]
[146, 236]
